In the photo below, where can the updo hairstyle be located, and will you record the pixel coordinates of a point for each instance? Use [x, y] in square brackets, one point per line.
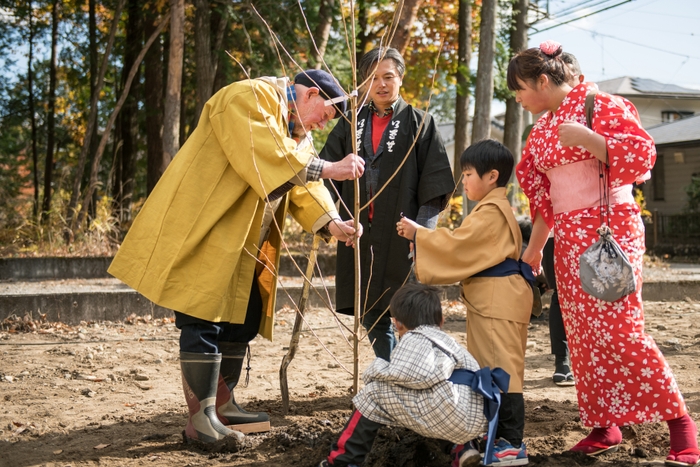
[530, 64]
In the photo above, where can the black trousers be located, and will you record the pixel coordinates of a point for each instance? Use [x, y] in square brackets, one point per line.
[202, 336]
[511, 418]
[557, 334]
[354, 442]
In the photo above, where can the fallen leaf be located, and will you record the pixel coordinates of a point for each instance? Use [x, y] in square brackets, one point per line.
[87, 377]
[101, 446]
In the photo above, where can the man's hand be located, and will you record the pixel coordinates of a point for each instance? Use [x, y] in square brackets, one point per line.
[350, 168]
[345, 231]
[534, 258]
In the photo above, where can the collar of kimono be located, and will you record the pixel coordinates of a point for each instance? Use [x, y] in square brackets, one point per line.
[291, 100]
[387, 111]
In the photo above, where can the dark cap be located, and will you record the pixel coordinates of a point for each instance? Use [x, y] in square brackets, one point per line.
[329, 87]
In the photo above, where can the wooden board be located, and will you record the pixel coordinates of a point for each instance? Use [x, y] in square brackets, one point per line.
[246, 428]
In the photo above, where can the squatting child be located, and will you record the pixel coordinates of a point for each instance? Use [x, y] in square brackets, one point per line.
[427, 386]
[483, 253]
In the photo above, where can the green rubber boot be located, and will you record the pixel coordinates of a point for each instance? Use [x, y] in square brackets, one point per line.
[229, 412]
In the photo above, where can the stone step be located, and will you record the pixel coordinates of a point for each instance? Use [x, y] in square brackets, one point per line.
[54, 268]
[73, 301]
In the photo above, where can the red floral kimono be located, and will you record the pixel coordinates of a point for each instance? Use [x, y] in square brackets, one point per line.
[621, 376]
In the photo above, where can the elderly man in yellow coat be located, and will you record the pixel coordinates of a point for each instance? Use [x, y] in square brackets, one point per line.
[206, 242]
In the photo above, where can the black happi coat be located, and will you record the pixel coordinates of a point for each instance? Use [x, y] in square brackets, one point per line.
[425, 175]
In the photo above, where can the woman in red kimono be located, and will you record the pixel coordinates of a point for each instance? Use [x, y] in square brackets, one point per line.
[621, 376]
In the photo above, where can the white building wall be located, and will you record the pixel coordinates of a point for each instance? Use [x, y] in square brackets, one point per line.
[650, 110]
[679, 164]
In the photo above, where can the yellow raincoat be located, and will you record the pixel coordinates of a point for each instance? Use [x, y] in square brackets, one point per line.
[193, 246]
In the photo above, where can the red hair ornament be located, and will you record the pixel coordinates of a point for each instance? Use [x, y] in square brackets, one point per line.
[551, 48]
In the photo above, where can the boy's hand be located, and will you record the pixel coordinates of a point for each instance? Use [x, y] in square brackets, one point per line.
[534, 258]
[407, 228]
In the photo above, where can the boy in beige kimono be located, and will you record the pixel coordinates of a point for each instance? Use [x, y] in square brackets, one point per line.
[483, 254]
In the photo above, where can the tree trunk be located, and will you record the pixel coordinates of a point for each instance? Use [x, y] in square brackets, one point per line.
[484, 75]
[183, 111]
[92, 122]
[51, 118]
[153, 70]
[108, 127]
[94, 137]
[512, 136]
[171, 120]
[32, 113]
[219, 21]
[464, 55]
[123, 188]
[322, 33]
[406, 19]
[202, 55]
[363, 36]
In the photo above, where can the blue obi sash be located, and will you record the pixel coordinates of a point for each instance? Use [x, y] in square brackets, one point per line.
[509, 267]
[488, 383]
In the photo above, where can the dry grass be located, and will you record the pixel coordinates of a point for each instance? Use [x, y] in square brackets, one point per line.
[28, 237]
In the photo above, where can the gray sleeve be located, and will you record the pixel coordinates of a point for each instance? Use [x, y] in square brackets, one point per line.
[428, 213]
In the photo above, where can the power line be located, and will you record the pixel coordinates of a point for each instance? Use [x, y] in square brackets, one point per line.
[637, 43]
[561, 14]
[577, 8]
[581, 17]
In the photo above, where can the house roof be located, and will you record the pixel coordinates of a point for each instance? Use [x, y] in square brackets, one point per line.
[642, 87]
[680, 131]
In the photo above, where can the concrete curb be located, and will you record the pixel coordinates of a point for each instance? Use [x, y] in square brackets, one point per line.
[117, 305]
[56, 268]
[112, 304]
[53, 268]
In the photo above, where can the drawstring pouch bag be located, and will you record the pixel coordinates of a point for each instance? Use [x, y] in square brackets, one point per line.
[605, 271]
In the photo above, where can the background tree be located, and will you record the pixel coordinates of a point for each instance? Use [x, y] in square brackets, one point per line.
[321, 33]
[171, 119]
[463, 76]
[484, 76]
[153, 99]
[32, 110]
[203, 54]
[512, 136]
[404, 26]
[91, 130]
[51, 120]
[133, 153]
[125, 158]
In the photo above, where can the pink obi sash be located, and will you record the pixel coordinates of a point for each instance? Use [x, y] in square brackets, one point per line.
[577, 186]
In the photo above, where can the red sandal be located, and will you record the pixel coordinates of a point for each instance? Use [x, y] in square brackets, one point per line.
[593, 448]
[599, 441]
[685, 458]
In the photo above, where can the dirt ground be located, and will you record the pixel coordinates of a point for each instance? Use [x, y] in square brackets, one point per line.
[110, 395]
